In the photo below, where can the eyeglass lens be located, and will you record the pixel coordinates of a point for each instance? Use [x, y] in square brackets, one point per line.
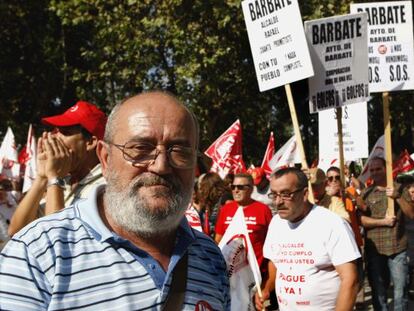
[332, 178]
[239, 187]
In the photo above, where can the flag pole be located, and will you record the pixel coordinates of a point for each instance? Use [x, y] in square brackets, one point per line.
[388, 149]
[298, 136]
[340, 144]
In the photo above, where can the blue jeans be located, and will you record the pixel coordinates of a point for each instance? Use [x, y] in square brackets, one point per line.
[380, 268]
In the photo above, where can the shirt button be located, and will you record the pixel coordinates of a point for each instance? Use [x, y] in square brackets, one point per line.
[152, 266]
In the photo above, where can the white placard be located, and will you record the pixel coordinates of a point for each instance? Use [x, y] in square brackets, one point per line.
[277, 42]
[354, 132]
[339, 53]
[390, 45]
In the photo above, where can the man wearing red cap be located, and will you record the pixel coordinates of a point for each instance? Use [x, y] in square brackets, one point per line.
[67, 164]
[261, 187]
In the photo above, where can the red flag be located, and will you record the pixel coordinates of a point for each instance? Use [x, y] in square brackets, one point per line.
[403, 164]
[226, 152]
[23, 156]
[270, 150]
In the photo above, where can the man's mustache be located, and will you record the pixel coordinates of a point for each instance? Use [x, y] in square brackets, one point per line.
[149, 179]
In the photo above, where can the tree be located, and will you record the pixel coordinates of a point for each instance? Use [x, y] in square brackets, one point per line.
[102, 51]
[30, 76]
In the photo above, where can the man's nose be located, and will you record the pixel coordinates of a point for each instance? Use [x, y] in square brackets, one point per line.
[161, 164]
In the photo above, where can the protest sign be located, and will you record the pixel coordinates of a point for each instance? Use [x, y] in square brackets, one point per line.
[391, 59]
[277, 42]
[355, 133]
[390, 45]
[339, 53]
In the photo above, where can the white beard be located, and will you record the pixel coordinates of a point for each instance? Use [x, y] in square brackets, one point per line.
[133, 212]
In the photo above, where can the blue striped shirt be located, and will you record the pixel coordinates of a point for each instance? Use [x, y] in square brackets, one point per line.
[71, 261]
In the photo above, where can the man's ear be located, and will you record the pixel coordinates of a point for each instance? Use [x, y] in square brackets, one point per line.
[306, 194]
[102, 151]
[92, 143]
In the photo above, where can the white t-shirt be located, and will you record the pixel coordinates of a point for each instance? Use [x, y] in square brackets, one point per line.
[305, 254]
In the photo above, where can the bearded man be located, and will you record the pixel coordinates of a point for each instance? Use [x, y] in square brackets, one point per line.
[127, 246]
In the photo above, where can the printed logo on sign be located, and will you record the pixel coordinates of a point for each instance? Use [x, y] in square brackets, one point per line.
[203, 306]
[74, 108]
[382, 49]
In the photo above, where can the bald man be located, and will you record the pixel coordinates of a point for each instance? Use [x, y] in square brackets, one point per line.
[128, 245]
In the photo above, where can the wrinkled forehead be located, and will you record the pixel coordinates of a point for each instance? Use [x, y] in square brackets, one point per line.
[157, 123]
[332, 173]
[287, 182]
[376, 164]
[241, 181]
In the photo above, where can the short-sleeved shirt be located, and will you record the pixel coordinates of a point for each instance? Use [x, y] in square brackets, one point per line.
[305, 254]
[257, 216]
[336, 205]
[92, 179]
[384, 240]
[71, 260]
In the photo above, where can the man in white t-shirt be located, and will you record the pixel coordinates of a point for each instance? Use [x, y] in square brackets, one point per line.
[311, 251]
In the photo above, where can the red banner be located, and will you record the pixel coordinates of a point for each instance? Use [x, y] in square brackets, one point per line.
[403, 164]
[226, 152]
[270, 151]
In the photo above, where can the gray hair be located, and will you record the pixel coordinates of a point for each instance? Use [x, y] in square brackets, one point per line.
[300, 175]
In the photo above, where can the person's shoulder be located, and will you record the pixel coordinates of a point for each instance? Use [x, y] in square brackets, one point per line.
[259, 204]
[277, 221]
[323, 213]
[204, 241]
[367, 190]
[49, 227]
[229, 205]
[206, 249]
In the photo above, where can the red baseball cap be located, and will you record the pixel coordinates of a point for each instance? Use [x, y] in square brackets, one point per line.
[84, 114]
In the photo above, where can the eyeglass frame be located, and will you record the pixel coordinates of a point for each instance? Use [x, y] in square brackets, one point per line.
[244, 187]
[157, 152]
[285, 196]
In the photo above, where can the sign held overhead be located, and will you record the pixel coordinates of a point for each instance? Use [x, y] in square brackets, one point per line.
[277, 42]
[339, 52]
[390, 45]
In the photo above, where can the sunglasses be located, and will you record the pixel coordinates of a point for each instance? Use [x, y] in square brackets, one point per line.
[332, 178]
[240, 187]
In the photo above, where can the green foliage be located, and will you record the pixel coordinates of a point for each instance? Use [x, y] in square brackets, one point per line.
[105, 50]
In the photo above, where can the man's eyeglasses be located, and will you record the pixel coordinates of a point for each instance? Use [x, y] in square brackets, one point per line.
[143, 154]
[285, 196]
[240, 187]
[332, 178]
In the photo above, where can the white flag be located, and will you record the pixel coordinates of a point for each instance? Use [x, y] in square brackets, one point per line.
[377, 151]
[288, 155]
[243, 269]
[8, 155]
[30, 171]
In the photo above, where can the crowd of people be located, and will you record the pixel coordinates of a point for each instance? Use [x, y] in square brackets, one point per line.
[103, 226]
